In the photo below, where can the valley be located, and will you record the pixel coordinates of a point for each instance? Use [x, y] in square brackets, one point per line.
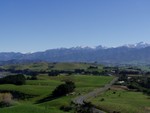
[91, 88]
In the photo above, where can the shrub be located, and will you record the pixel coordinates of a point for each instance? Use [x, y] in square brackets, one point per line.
[64, 89]
[5, 99]
[102, 99]
[85, 108]
[114, 92]
[65, 108]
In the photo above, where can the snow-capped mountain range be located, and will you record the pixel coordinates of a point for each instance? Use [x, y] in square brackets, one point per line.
[137, 45]
[129, 53]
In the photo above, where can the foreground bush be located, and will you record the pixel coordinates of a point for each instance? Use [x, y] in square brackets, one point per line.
[66, 108]
[5, 99]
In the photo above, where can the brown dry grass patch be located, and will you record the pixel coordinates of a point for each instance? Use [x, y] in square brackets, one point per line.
[119, 87]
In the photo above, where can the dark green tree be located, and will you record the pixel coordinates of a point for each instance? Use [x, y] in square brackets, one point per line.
[64, 89]
[18, 79]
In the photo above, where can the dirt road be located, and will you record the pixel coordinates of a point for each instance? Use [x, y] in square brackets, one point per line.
[81, 99]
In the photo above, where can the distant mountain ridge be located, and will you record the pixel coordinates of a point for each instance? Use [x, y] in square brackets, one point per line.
[131, 53]
[137, 45]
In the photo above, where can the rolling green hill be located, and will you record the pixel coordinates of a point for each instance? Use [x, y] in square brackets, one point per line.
[43, 87]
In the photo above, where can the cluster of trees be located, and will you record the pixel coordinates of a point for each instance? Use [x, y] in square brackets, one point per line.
[142, 81]
[138, 87]
[25, 71]
[76, 71]
[18, 79]
[145, 82]
[92, 67]
[91, 70]
[131, 72]
[64, 89]
[85, 108]
[139, 83]
[58, 72]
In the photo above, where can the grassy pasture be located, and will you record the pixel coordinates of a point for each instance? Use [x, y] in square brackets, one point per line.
[43, 66]
[44, 87]
[123, 101]
[29, 108]
[70, 66]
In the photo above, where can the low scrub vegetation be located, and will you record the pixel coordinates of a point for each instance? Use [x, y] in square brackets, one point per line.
[5, 99]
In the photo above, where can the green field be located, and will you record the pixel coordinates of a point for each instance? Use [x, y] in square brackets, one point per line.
[44, 87]
[123, 101]
[44, 66]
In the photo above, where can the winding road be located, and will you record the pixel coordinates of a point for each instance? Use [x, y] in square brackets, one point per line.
[81, 99]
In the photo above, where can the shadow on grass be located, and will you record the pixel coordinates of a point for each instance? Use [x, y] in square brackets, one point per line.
[46, 99]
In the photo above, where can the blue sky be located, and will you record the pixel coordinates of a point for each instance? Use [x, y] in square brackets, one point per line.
[37, 25]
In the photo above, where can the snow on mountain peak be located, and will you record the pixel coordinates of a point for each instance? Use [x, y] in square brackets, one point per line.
[137, 45]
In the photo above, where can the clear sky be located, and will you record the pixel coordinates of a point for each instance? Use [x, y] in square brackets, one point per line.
[37, 25]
